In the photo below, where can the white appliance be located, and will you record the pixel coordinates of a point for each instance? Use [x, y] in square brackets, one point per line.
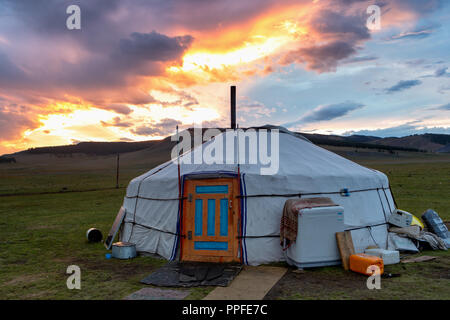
[316, 237]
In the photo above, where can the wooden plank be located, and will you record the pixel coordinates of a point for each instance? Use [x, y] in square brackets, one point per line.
[115, 227]
[349, 242]
[346, 248]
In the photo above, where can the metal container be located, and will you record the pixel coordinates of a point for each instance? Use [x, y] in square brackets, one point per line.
[94, 235]
[123, 250]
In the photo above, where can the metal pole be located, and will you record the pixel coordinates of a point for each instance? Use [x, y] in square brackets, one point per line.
[233, 107]
[117, 172]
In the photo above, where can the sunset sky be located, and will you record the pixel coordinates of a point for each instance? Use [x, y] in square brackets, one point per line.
[138, 68]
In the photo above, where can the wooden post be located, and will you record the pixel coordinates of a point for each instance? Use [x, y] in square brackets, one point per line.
[117, 173]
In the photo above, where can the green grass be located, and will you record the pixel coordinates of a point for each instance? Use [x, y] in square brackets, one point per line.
[425, 280]
[26, 181]
[420, 186]
[42, 234]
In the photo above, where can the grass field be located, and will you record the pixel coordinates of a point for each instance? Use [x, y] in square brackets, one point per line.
[419, 186]
[42, 233]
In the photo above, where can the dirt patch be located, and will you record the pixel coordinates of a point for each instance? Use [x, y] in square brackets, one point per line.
[422, 280]
[438, 272]
[315, 284]
[437, 269]
[38, 295]
[119, 270]
[25, 279]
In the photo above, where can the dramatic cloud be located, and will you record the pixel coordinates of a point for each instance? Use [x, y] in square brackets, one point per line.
[403, 85]
[13, 120]
[339, 36]
[442, 72]
[162, 128]
[135, 62]
[360, 59]
[327, 112]
[139, 55]
[338, 24]
[254, 109]
[445, 107]
[153, 47]
[403, 130]
[117, 122]
[420, 34]
[119, 108]
[9, 71]
[321, 58]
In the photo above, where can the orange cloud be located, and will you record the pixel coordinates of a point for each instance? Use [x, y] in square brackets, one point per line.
[87, 87]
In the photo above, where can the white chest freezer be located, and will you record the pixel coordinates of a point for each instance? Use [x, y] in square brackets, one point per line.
[316, 237]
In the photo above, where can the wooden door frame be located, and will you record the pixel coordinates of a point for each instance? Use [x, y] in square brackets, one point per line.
[236, 218]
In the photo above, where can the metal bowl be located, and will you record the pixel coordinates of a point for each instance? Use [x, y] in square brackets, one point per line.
[123, 250]
[94, 235]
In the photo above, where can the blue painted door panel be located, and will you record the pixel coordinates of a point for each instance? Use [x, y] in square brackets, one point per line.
[214, 210]
[224, 217]
[211, 245]
[211, 189]
[211, 217]
[198, 217]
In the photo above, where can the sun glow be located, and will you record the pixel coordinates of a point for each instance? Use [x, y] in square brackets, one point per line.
[248, 53]
[189, 92]
[244, 45]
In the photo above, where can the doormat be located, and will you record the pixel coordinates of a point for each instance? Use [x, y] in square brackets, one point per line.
[193, 274]
[157, 294]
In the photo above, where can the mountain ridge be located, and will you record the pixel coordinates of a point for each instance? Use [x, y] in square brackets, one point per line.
[422, 142]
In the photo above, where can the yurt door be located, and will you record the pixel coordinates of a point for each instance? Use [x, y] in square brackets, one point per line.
[210, 218]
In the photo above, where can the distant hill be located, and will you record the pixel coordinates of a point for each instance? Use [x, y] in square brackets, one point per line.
[420, 142]
[94, 148]
[357, 141]
[417, 141]
[424, 142]
[445, 149]
[4, 159]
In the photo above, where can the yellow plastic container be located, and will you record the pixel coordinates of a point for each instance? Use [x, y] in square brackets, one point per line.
[416, 221]
[361, 262]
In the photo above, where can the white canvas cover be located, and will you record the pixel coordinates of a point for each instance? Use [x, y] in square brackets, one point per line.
[152, 200]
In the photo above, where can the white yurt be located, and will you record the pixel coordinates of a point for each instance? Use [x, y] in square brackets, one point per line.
[224, 210]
